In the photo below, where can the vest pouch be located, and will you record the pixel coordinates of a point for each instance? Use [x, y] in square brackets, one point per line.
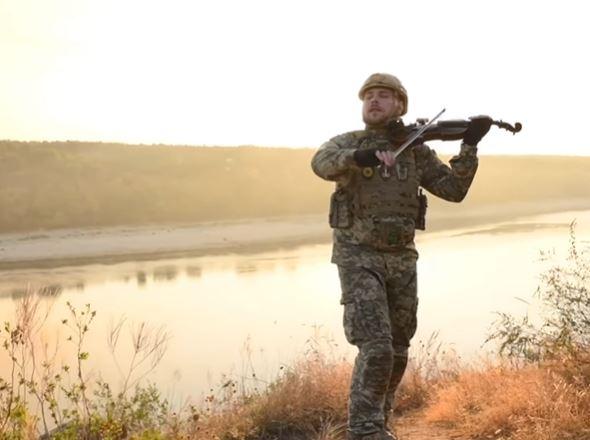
[422, 205]
[340, 210]
[393, 233]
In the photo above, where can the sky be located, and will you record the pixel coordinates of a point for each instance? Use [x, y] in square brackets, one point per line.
[286, 73]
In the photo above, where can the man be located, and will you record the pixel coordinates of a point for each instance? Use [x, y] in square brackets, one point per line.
[374, 213]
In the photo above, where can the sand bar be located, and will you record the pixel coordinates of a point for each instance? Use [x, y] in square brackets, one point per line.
[83, 246]
[115, 244]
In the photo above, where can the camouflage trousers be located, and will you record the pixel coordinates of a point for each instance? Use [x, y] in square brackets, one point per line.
[380, 308]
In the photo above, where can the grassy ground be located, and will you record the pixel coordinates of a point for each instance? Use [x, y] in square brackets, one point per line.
[440, 398]
[549, 400]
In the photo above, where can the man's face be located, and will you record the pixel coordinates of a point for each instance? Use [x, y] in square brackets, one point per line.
[380, 105]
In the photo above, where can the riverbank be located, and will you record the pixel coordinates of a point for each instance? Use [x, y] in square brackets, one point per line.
[65, 247]
[117, 244]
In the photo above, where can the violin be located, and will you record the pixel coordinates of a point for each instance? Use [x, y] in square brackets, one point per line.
[453, 129]
[423, 130]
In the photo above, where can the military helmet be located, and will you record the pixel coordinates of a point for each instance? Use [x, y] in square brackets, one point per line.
[389, 82]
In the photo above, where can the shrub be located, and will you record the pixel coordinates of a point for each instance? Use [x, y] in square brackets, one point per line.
[59, 401]
[564, 296]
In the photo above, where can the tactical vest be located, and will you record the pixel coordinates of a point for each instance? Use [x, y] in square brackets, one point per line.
[379, 207]
[379, 192]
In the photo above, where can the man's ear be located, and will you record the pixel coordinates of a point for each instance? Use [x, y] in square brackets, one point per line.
[399, 108]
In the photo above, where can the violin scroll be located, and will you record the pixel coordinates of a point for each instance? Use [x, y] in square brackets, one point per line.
[506, 126]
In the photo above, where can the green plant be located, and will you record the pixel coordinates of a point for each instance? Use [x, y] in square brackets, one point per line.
[564, 324]
[60, 401]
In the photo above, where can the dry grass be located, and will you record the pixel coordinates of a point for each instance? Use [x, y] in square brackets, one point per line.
[548, 401]
[309, 400]
[430, 363]
[306, 401]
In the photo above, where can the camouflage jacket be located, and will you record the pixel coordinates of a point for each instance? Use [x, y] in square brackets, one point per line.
[334, 162]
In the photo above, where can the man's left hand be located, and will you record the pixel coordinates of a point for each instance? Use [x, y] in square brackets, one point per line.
[477, 129]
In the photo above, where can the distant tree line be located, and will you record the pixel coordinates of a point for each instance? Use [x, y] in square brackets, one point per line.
[46, 185]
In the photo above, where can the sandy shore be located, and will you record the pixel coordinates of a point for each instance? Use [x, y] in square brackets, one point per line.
[83, 246]
[115, 244]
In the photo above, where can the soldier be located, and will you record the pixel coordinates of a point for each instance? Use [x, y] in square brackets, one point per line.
[374, 212]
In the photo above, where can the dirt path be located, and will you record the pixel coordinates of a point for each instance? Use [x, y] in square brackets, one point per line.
[414, 427]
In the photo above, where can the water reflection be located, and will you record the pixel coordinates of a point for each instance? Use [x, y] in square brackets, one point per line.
[143, 273]
[141, 278]
[193, 271]
[43, 291]
[165, 273]
[246, 267]
[514, 228]
[51, 291]
[16, 294]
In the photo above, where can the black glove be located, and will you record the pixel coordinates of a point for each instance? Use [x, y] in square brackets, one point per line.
[366, 157]
[477, 129]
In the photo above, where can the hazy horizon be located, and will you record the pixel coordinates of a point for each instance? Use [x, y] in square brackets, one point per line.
[287, 74]
[434, 144]
[74, 184]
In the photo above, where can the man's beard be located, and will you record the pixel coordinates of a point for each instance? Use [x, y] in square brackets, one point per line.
[380, 121]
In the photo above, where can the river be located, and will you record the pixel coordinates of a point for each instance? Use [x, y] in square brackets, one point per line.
[245, 316]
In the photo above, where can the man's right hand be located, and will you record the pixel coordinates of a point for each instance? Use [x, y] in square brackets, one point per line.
[386, 157]
[367, 157]
[371, 157]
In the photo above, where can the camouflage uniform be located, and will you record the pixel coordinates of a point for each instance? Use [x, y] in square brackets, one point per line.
[374, 219]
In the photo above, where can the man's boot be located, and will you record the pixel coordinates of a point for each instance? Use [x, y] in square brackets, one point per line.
[380, 435]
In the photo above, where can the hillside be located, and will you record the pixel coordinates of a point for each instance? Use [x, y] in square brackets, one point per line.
[47, 185]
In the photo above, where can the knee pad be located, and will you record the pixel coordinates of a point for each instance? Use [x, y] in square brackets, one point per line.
[378, 349]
